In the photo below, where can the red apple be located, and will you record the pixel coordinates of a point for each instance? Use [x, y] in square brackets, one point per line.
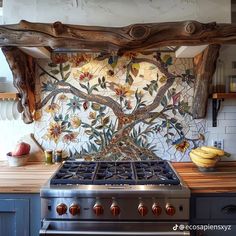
[21, 149]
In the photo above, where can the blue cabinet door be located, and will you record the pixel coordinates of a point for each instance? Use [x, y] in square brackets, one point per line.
[14, 217]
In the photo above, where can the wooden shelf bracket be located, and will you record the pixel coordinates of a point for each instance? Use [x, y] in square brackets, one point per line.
[216, 104]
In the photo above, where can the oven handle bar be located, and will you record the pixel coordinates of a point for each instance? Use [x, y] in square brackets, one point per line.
[45, 231]
[166, 233]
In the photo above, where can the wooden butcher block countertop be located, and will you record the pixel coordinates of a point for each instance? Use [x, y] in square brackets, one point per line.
[24, 179]
[223, 180]
[31, 177]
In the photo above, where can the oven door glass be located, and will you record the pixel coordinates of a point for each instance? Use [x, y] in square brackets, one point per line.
[86, 228]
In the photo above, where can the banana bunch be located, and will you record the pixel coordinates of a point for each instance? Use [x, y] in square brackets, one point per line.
[206, 156]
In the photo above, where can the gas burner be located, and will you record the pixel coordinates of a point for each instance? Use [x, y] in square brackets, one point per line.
[75, 173]
[114, 173]
[108, 173]
[154, 172]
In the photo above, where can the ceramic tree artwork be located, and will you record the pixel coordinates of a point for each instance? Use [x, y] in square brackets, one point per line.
[108, 107]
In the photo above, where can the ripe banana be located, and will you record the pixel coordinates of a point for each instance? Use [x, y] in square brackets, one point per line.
[203, 162]
[200, 164]
[214, 150]
[204, 154]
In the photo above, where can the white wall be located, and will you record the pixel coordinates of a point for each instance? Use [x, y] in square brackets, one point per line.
[115, 12]
[11, 132]
[5, 70]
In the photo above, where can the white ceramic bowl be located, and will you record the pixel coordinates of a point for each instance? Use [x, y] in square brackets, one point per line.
[18, 160]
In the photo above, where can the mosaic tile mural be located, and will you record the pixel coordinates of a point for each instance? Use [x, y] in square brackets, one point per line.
[105, 107]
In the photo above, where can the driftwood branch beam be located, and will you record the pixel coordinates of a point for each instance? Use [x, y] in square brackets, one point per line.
[139, 37]
[23, 70]
[204, 65]
[136, 37]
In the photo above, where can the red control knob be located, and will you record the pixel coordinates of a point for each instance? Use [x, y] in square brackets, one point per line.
[98, 209]
[156, 209]
[61, 209]
[74, 209]
[115, 210]
[142, 209]
[170, 210]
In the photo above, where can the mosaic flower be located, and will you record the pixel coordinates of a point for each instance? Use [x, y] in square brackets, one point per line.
[83, 76]
[54, 131]
[130, 55]
[123, 91]
[52, 108]
[59, 58]
[86, 76]
[183, 146]
[92, 115]
[75, 122]
[79, 60]
[62, 97]
[71, 137]
[74, 104]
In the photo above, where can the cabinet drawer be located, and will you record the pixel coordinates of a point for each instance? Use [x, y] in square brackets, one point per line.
[215, 208]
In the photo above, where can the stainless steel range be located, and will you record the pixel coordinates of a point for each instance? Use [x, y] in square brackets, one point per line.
[114, 198]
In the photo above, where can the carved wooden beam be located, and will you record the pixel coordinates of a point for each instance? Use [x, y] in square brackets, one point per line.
[23, 70]
[137, 37]
[204, 65]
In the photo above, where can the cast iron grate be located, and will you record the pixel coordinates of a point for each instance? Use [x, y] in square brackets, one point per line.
[100, 173]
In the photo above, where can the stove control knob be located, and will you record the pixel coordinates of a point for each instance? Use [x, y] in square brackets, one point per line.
[170, 210]
[156, 209]
[74, 209]
[115, 210]
[61, 209]
[98, 209]
[142, 209]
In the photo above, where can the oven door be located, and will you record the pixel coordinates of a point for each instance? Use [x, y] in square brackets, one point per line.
[86, 228]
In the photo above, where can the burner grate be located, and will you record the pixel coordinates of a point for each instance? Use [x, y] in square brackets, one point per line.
[75, 173]
[100, 173]
[153, 172]
[115, 173]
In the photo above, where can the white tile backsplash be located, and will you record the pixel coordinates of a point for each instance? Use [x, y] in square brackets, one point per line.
[230, 130]
[226, 126]
[226, 123]
[230, 116]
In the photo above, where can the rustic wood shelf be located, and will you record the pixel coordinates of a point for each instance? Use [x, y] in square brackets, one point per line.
[9, 96]
[224, 95]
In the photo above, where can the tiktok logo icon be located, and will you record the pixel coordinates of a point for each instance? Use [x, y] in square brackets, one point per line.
[175, 227]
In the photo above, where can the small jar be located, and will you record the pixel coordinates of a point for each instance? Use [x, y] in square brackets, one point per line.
[58, 156]
[232, 85]
[48, 157]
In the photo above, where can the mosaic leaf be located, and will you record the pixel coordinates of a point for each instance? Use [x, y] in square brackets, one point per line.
[135, 69]
[55, 72]
[164, 101]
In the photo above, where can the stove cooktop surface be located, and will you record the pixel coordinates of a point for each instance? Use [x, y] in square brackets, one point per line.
[111, 173]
